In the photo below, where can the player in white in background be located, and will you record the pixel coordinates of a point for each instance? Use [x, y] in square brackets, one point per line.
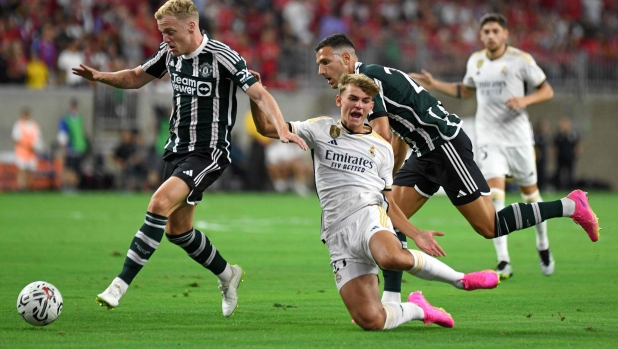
[353, 172]
[504, 139]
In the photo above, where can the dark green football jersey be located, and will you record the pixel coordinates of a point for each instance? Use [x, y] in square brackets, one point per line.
[204, 84]
[413, 114]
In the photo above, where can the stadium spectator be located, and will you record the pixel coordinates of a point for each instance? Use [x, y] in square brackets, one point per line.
[259, 178]
[27, 137]
[287, 168]
[37, 74]
[438, 35]
[72, 137]
[566, 148]
[70, 57]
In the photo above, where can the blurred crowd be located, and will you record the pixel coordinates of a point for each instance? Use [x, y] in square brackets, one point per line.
[40, 40]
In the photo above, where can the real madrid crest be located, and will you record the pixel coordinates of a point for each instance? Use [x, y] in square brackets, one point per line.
[479, 63]
[372, 151]
[205, 70]
[334, 131]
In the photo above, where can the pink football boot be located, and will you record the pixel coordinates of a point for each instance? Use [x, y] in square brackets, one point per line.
[584, 215]
[433, 315]
[480, 280]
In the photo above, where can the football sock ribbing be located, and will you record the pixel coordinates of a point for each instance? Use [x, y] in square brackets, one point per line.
[392, 278]
[199, 247]
[521, 216]
[400, 313]
[142, 247]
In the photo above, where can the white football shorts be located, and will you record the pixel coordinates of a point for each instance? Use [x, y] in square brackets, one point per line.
[348, 243]
[519, 162]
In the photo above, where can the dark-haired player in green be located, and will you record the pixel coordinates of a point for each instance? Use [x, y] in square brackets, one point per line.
[441, 157]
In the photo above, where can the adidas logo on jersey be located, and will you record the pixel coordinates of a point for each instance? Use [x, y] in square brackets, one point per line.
[461, 193]
[188, 173]
[333, 142]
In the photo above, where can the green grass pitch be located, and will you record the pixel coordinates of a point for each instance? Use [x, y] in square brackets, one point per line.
[288, 297]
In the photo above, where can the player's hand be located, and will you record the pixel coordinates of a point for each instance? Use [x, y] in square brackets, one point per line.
[425, 79]
[287, 137]
[256, 75]
[515, 103]
[85, 72]
[427, 243]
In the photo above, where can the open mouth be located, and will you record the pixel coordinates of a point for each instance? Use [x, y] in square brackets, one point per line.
[356, 115]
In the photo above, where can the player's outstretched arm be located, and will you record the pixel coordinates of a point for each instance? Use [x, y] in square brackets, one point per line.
[267, 104]
[127, 79]
[457, 90]
[424, 239]
[263, 126]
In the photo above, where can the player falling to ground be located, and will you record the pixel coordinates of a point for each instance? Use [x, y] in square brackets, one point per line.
[504, 139]
[353, 174]
[204, 75]
[441, 155]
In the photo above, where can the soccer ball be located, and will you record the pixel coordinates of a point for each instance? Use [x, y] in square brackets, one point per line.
[39, 303]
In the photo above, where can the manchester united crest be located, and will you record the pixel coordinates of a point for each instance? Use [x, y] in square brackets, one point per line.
[205, 70]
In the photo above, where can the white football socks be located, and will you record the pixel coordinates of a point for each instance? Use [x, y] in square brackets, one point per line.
[429, 268]
[226, 275]
[400, 313]
[568, 207]
[391, 297]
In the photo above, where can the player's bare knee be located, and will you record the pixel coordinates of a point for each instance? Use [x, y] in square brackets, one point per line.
[159, 204]
[369, 323]
[486, 232]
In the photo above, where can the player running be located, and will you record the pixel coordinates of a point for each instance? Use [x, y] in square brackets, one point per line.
[353, 173]
[204, 75]
[441, 155]
[504, 139]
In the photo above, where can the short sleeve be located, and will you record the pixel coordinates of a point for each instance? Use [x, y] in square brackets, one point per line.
[156, 65]
[231, 61]
[308, 129]
[532, 73]
[386, 168]
[468, 79]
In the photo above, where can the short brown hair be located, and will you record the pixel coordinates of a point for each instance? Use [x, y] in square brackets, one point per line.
[493, 17]
[361, 81]
[181, 9]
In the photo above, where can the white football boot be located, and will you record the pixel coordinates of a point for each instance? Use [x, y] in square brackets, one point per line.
[112, 294]
[230, 297]
[504, 270]
[547, 262]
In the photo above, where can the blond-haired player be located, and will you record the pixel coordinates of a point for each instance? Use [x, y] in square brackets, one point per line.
[204, 75]
[353, 173]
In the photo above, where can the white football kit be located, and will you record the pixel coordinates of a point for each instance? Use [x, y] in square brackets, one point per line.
[504, 138]
[351, 171]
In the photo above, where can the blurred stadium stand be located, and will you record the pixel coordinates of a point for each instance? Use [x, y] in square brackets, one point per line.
[574, 41]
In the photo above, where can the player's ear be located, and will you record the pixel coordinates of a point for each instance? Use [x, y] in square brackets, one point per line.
[338, 100]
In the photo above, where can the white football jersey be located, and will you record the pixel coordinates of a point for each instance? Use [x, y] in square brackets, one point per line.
[495, 82]
[351, 169]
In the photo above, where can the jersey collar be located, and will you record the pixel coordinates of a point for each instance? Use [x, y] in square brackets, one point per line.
[199, 49]
[357, 66]
[506, 48]
[367, 129]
